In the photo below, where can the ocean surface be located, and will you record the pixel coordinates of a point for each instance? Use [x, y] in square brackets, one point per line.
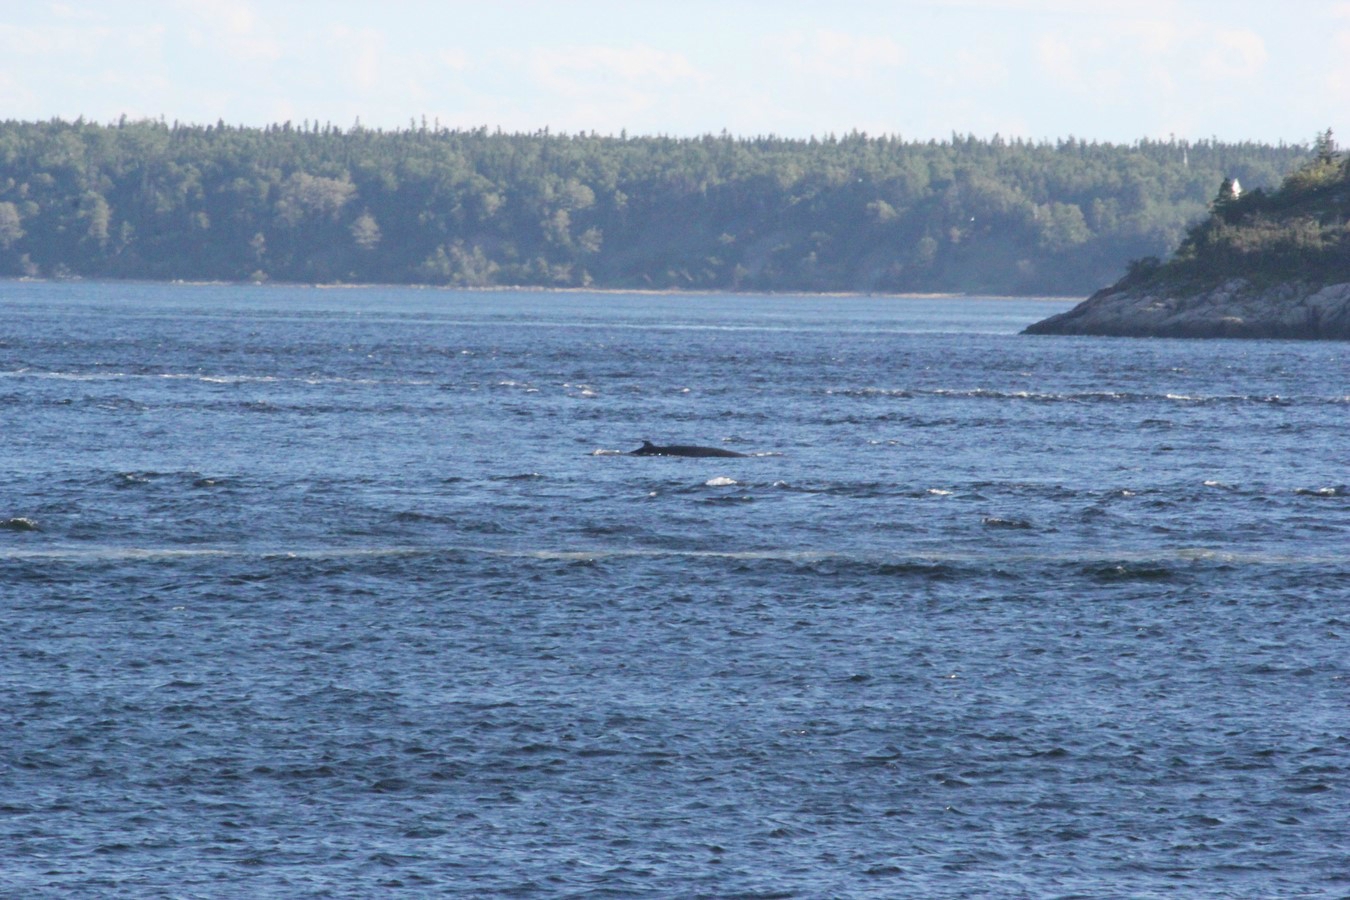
[351, 593]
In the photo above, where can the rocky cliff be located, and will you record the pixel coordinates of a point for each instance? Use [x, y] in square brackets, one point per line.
[1236, 308]
[1261, 265]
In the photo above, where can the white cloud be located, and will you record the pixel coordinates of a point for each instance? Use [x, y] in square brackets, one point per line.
[836, 54]
[978, 69]
[580, 88]
[1338, 74]
[16, 94]
[1102, 55]
[1235, 54]
[1061, 7]
[66, 11]
[361, 55]
[592, 85]
[234, 18]
[1153, 37]
[232, 26]
[45, 69]
[1165, 56]
[1056, 56]
[571, 68]
[454, 59]
[78, 42]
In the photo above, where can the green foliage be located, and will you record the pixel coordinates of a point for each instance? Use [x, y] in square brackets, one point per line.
[11, 227]
[1298, 232]
[473, 208]
[1324, 148]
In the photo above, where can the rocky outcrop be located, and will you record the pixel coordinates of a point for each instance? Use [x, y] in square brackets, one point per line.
[1235, 309]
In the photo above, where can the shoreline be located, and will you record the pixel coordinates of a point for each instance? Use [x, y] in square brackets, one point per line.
[537, 289]
[1235, 308]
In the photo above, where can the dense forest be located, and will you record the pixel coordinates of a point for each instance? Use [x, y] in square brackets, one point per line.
[1299, 232]
[311, 203]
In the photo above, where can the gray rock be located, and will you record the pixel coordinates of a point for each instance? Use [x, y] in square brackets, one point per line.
[1233, 309]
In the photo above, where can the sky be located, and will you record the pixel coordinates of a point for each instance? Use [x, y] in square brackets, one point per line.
[1105, 70]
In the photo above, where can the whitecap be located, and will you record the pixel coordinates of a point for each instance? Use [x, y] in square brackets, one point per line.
[229, 379]
[996, 557]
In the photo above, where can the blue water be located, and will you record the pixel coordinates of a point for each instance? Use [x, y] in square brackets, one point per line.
[346, 593]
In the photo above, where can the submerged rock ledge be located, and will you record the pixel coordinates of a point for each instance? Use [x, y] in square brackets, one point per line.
[1235, 309]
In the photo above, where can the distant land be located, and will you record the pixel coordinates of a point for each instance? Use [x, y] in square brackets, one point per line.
[1261, 265]
[312, 204]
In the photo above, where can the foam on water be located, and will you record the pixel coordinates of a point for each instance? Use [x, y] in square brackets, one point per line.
[991, 558]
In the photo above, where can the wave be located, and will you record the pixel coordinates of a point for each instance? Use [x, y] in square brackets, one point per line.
[212, 378]
[185, 479]
[1339, 490]
[1148, 488]
[1139, 561]
[1087, 397]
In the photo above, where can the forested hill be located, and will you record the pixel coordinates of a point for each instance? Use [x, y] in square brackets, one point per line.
[855, 213]
[1298, 232]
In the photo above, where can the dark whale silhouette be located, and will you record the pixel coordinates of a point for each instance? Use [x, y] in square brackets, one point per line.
[650, 449]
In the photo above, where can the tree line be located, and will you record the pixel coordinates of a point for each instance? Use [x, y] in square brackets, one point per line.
[475, 208]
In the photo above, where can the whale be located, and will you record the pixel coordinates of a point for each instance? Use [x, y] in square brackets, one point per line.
[650, 449]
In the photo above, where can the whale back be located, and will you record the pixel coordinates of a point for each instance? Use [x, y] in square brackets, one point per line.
[650, 449]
